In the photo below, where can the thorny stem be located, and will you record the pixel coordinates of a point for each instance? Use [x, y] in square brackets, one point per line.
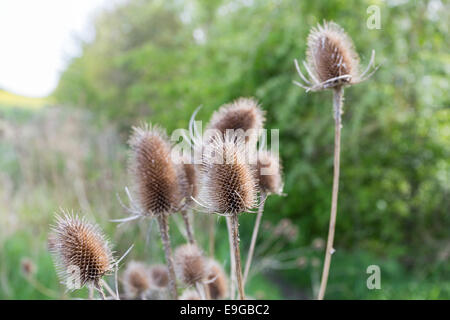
[188, 224]
[254, 237]
[232, 264]
[164, 230]
[338, 94]
[237, 255]
[211, 231]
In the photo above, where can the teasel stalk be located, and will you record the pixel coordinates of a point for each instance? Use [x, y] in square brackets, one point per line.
[228, 188]
[157, 184]
[332, 63]
[245, 118]
[268, 173]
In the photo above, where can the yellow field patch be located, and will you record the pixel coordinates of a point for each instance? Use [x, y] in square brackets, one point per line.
[13, 100]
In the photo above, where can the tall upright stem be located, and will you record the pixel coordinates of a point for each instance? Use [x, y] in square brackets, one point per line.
[164, 229]
[254, 237]
[211, 235]
[237, 254]
[189, 231]
[232, 258]
[338, 94]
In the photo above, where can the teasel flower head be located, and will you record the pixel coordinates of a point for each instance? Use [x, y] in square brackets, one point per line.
[217, 281]
[156, 177]
[159, 276]
[190, 264]
[242, 114]
[190, 294]
[331, 60]
[227, 181]
[80, 250]
[136, 279]
[268, 170]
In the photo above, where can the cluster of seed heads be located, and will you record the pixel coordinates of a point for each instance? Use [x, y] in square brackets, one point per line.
[225, 183]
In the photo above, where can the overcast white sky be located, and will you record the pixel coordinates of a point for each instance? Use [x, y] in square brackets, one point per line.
[37, 38]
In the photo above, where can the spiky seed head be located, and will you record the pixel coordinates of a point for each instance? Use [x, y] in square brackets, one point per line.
[190, 294]
[190, 264]
[228, 184]
[155, 176]
[159, 275]
[136, 279]
[243, 113]
[80, 250]
[217, 281]
[268, 170]
[331, 54]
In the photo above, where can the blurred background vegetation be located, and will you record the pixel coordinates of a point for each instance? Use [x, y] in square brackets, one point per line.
[159, 60]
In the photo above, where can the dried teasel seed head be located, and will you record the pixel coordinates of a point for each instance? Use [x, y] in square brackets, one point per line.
[159, 275]
[331, 54]
[228, 184]
[243, 113]
[155, 176]
[268, 170]
[217, 281]
[190, 294]
[80, 250]
[190, 264]
[136, 279]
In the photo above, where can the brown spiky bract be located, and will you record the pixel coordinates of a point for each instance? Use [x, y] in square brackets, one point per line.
[243, 113]
[136, 279]
[331, 54]
[159, 276]
[217, 281]
[155, 176]
[81, 248]
[228, 184]
[190, 264]
[268, 170]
